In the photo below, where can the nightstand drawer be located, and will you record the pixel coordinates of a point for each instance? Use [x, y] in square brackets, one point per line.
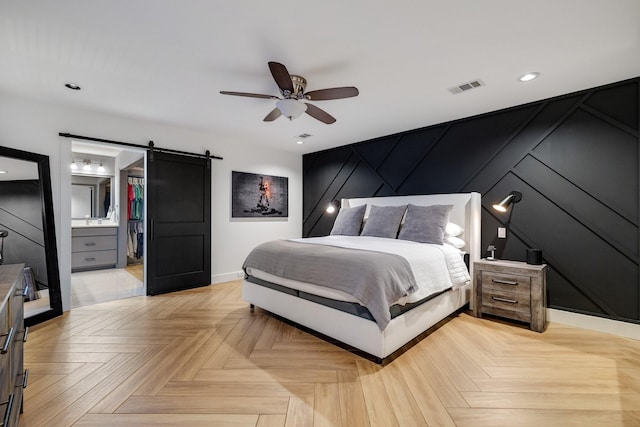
[506, 283]
[513, 306]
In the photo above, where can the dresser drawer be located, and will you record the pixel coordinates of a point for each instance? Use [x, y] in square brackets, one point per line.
[93, 259]
[93, 243]
[5, 359]
[16, 308]
[12, 377]
[18, 375]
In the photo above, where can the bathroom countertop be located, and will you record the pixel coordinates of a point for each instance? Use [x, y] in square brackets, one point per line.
[82, 223]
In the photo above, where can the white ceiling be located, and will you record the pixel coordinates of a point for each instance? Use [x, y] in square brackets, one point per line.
[167, 60]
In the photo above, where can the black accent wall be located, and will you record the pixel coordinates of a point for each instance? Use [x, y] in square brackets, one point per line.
[574, 158]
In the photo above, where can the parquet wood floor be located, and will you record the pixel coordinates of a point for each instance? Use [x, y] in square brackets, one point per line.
[202, 358]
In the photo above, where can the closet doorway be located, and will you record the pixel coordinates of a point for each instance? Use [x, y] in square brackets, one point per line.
[108, 243]
[133, 195]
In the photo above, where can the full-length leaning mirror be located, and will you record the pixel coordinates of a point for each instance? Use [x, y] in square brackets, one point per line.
[26, 216]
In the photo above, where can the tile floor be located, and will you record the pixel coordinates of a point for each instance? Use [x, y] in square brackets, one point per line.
[92, 287]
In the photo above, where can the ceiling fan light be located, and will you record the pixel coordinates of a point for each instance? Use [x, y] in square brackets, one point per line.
[290, 108]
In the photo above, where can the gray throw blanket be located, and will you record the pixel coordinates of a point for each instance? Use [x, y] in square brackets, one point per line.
[375, 279]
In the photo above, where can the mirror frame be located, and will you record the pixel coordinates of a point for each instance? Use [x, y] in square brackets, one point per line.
[49, 230]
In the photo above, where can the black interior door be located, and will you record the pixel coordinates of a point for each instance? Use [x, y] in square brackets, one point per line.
[178, 222]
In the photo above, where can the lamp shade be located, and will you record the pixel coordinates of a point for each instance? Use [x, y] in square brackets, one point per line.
[290, 108]
[333, 206]
[513, 197]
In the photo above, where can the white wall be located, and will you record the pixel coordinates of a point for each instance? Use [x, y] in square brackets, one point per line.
[33, 126]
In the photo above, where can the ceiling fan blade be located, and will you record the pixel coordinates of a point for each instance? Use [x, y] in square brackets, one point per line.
[274, 114]
[319, 114]
[249, 95]
[281, 76]
[333, 93]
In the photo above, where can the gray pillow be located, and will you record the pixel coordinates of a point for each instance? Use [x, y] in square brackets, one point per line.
[425, 224]
[349, 221]
[384, 221]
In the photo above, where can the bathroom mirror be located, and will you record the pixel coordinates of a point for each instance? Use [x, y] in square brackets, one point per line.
[91, 196]
[26, 213]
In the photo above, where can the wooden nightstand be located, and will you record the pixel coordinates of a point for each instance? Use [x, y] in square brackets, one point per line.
[511, 289]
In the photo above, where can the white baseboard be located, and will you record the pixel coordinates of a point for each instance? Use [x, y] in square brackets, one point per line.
[227, 277]
[614, 327]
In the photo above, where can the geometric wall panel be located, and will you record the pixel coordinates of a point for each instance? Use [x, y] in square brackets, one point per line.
[617, 102]
[598, 157]
[574, 158]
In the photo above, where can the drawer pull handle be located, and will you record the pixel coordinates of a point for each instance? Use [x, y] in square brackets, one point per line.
[7, 341]
[25, 379]
[7, 411]
[90, 258]
[510, 301]
[26, 332]
[89, 244]
[504, 282]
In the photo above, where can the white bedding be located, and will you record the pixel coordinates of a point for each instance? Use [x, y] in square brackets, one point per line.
[435, 267]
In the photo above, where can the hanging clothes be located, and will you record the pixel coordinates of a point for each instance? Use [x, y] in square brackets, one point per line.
[135, 213]
[135, 240]
[135, 196]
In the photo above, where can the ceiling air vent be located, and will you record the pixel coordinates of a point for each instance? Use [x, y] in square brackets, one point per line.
[466, 86]
[303, 135]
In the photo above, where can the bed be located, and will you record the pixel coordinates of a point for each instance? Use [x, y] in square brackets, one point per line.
[336, 315]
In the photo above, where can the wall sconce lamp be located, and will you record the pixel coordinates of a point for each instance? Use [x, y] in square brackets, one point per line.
[513, 197]
[333, 206]
[74, 166]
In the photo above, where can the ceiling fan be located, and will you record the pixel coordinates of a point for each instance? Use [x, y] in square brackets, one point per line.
[291, 103]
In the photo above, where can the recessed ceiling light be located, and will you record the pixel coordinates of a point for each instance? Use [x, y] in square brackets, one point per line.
[72, 86]
[528, 77]
[3, 171]
[299, 142]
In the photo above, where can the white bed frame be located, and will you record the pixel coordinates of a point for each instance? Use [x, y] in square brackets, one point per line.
[364, 334]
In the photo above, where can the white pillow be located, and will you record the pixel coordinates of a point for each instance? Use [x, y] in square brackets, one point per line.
[456, 242]
[453, 229]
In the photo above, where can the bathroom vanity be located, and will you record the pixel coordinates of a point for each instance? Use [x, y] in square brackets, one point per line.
[94, 246]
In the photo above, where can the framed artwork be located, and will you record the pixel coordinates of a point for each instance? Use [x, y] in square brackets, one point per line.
[259, 195]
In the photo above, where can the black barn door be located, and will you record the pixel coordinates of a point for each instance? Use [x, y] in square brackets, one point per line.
[178, 222]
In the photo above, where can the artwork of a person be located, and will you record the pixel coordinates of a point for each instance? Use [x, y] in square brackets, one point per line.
[263, 202]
